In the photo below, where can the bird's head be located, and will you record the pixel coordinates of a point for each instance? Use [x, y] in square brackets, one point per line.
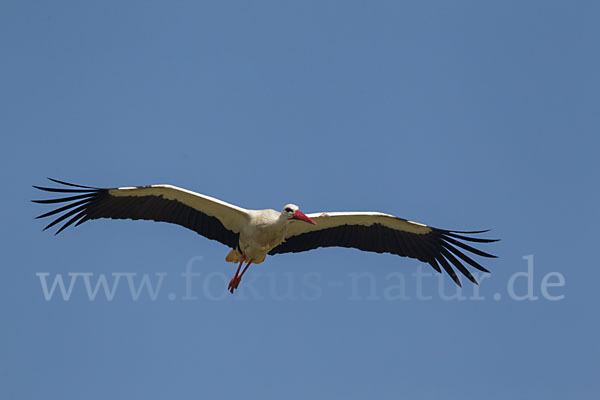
[291, 212]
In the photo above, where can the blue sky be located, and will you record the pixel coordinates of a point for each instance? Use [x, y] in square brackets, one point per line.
[462, 115]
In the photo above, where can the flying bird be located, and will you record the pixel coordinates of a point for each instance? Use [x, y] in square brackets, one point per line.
[252, 234]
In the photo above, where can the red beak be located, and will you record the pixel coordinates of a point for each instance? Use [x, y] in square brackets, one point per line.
[302, 217]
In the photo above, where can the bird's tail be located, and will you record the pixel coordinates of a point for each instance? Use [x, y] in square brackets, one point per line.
[234, 256]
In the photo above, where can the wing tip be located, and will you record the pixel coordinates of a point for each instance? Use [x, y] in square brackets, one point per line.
[70, 184]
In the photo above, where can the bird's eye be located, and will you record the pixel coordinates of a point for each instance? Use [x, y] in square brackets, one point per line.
[288, 209]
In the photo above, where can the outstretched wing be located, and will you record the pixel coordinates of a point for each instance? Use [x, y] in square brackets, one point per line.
[384, 233]
[210, 217]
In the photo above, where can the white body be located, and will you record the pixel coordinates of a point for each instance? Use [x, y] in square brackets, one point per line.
[265, 230]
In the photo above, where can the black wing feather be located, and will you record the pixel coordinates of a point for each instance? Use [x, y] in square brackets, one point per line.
[439, 248]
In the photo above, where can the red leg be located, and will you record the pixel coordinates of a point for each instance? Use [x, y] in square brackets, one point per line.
[239, 267]
[245, 268]
[235, 281]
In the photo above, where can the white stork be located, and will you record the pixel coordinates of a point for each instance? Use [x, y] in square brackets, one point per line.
[252, 234]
